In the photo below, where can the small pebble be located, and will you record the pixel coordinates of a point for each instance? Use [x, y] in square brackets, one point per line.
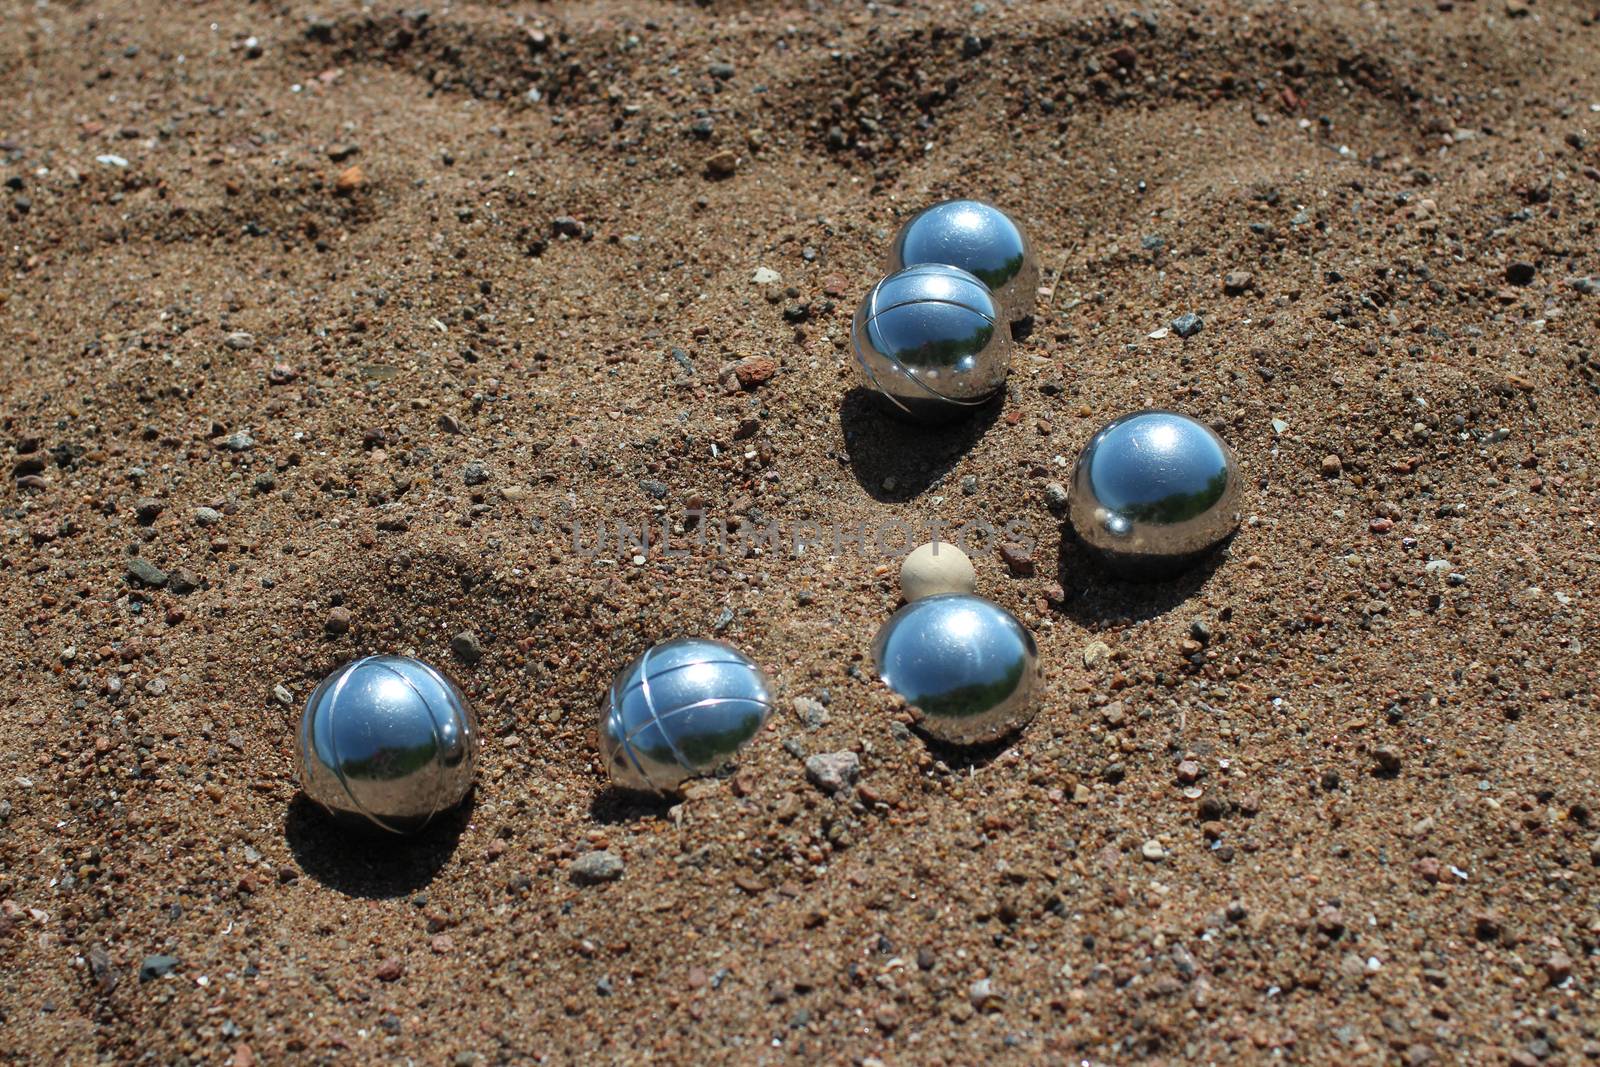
[1521, 273]
[936, 567]
[351, 179]
[833, 772]
[1188, 324]
[1055, 497]
[755, 370]
[594, 868]
[146, 573]
[982, 994]
[207, 516]
[810, 712]
[156, 967]
[1018, 559]
[466, 647]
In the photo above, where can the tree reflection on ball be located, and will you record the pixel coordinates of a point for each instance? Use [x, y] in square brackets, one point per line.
[980, 239]
[966, 666]
[387, 741]
[1153, 492]
[931, 342]
[679, 711]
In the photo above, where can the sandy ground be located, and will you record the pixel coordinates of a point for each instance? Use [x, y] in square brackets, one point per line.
[306, 266]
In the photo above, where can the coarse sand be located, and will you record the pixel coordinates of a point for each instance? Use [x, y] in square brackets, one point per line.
[334, 329]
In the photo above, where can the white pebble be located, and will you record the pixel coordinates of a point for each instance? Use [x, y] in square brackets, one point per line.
[934, 568]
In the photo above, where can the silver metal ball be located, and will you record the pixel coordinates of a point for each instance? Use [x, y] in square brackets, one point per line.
[388, 741]
[980, 239]
[679, 711]
[966, 666]
[1153, 492]
[932, 342]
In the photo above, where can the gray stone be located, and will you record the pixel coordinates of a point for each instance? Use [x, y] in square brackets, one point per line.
[466, 647]
[811, 712]
[183, 581]
[1188, 324]
[146, 573]
[156, 967]
[833, 772]
[1055, 497]
[593, 868]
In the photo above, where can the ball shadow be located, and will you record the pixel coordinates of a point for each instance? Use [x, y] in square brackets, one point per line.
[883, 446]
[1098, 596]
[366, 862]
[613, 806]
[967, 757]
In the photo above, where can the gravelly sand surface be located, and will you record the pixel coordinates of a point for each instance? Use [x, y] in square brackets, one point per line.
[304, 266]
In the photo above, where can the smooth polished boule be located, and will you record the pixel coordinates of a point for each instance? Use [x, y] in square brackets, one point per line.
[1153, 492]
[679, 711]
[931, 341]
[387, 741]
[934, 568]
[967, 668]
[980, 239]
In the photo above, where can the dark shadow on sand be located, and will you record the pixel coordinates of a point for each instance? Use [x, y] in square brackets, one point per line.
[882, 445]
[363, 862]
[612, 806]
[960, 758]
[1098, 597]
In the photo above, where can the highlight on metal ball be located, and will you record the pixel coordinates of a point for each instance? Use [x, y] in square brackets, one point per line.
[681, 710]
[967, 668]
[387, 741]
[931, 341]
[980, 239]
[1154, 492]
